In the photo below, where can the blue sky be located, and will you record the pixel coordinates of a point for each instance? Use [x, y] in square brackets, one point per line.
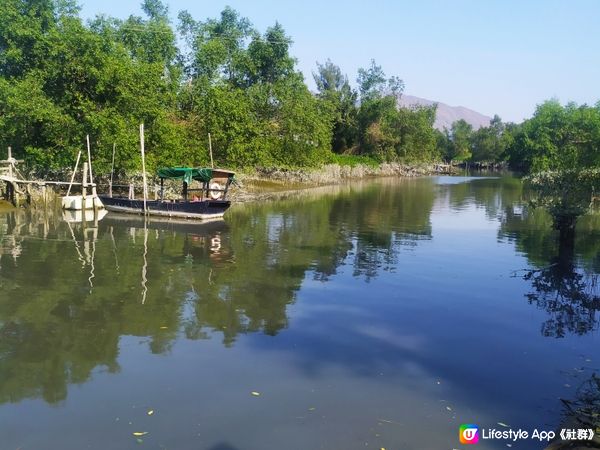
[494, 56]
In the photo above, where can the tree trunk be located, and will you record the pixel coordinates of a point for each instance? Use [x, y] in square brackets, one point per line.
[566, 239]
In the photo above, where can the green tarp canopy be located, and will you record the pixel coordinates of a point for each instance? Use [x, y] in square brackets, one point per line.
[186, 174]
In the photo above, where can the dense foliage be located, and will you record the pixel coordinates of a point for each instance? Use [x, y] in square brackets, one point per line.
[560, 148]
[557, 137]
[369, 122]
[61, 79]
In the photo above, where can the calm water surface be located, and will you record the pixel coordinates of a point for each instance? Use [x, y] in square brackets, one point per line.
[378, 314]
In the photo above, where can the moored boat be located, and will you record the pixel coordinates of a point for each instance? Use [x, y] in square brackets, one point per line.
[209, 201]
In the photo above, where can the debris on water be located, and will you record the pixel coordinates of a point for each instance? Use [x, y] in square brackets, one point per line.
[140, 433]
[448, 408]
[164, 328]
[567, 385]
[312, 408]
[502, 424]
[256, 394]
[150, 412]
[438, 382]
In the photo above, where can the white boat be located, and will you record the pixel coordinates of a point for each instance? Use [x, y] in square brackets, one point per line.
[75, 202]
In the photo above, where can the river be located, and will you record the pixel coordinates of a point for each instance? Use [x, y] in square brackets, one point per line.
[377, 314]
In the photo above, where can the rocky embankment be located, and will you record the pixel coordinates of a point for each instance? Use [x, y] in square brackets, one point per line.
[266, 183]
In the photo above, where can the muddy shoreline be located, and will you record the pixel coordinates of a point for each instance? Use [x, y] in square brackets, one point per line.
[258, 184]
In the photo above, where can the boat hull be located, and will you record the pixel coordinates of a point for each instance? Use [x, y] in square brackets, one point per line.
[76, 203]
[199, 210]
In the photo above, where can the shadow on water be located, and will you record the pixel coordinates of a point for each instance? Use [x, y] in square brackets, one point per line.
[223, 446]
[582, 412]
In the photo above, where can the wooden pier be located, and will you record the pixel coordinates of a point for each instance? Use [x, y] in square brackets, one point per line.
[18, 188]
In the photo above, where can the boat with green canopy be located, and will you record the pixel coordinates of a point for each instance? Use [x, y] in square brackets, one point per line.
[204, 195]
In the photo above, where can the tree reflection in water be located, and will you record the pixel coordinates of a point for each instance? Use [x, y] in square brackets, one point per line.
[565, 277]
[164, 282]
[569, 295]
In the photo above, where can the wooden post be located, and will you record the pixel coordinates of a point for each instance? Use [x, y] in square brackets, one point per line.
[112, 170]
[89, 152]
[74, 172]
[10, 164]
[94, 192]
[162, 189]
[83, 187]
[212, 164]
[144, 167]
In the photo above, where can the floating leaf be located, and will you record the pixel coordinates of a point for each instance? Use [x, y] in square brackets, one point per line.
[140, 433]
[150, 412]
[448, 408]
[256, 394]
[163, 328]
[312, 409]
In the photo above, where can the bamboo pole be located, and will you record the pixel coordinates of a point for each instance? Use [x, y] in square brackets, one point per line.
[145, 265]
[144, 167]
[74, 172]
[112, 170]
[212, 164]
[10, 163]
[83, 187]
[89, 152]
[94, 192]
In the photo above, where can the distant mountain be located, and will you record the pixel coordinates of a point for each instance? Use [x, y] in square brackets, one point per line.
[447, 114]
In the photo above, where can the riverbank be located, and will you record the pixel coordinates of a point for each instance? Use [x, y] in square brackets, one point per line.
[260, 183]
[273, 182]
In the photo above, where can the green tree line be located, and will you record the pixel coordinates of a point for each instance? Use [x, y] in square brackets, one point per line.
[61, 78]
[555, 137]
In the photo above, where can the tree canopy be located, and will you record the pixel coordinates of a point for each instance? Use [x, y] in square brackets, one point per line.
[61, 79]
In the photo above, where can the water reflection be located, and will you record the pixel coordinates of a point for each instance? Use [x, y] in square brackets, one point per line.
[71, 291]
[564, 277]
[350, 295]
